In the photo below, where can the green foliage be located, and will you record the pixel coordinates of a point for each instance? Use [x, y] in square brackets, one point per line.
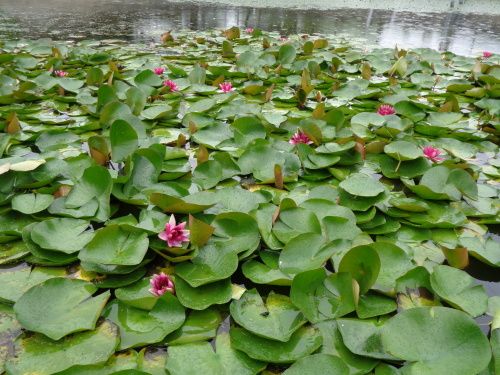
[319, 257]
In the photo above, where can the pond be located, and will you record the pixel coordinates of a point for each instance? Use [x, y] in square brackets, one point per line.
[134, 20]
[249, 200]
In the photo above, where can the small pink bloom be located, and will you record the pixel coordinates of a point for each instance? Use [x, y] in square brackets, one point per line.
[300, 137]
[249, 30]
[283, 38]
[171, 85]
[160, 284]
[386, 109]
[226, 87]
[174, 233]
[60, 73]
[159, 71]
[432, 154]
[487, 54]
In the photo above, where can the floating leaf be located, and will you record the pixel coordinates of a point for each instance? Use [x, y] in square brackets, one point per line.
[58, 307]
[437, 340]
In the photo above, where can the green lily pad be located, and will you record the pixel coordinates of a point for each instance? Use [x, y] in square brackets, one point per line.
[38, 354]
[200, 325]
[58, 307]
[459, 289]
[137, 295]
[436, 340]
[306, 252]
[363, 337]
[31, 203]
[403, 150]
[16, 282]
[318, 363]
[114, 245]
[276, 319]
[333, 344]
[321, 297]
[362, 185]
[203, 296]
[141, 327]
[302, 343]
[65, 235]
[363, 263]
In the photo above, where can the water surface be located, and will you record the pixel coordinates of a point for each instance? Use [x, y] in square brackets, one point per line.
[145, 20]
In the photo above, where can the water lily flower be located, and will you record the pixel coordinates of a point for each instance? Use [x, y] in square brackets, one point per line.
[159, 71]
[432, 154]
[487, 54]
[171, 85]
[386, 109]
[226, 87]
[60, 73]
[174, 233]
[249, 30]
[283, 38]
[160, 284]
[300, 137]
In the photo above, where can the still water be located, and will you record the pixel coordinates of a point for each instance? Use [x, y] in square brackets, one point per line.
[145, 20]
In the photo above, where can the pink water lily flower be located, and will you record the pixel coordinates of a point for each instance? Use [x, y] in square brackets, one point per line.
[60, 73]
[159, 71]
[432, 154]
[226, 87]
[249, 30]
[160, 284]
[171, 85]
[283, 38]
[300, 137]
[487, 54]
[386, 109]
[174, 233]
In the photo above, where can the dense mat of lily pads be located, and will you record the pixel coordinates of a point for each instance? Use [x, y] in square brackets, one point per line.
[243, 204]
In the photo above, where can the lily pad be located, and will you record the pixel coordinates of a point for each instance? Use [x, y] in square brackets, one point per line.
[276, 319]
[38, 354]
[436, 340]
[58, 307]
[302, 343]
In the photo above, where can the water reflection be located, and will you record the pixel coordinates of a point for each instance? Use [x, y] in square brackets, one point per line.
[145, 20]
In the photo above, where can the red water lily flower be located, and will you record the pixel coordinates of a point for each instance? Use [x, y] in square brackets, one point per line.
[225, 87]
[159, 71]
[432, 154]
[386, 109]
[249, 30]
[60, 73]
[171, 85]
[487, 54]
[160, 284]
[300, 137]
[174, 233]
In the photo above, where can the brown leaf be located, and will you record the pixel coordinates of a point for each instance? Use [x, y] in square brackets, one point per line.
[167, 37]
[458, 258]
[202, 154]
[269, 93]
[360, 148]
[62, 191]
[192, 127]
[232, 33]
[278, 176]
[13, 124]
[366, 71]
[181, 140]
